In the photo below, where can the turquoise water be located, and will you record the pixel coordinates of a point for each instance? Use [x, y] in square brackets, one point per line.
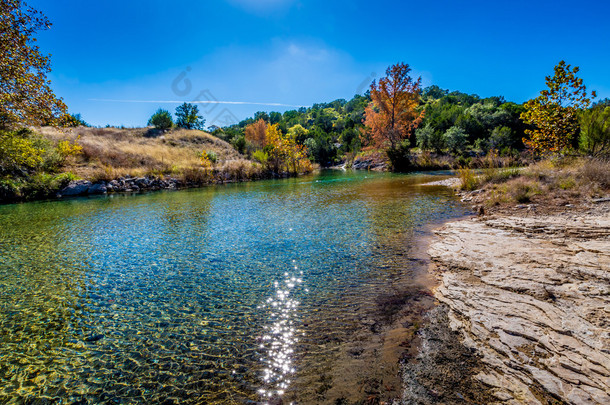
[212, 295]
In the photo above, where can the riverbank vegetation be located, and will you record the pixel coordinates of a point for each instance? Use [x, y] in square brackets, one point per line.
[396, 125]
[548, 185]
[400, 126]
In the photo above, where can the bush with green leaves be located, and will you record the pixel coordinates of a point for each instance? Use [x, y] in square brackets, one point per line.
[161, 119]
[595, 130]
[437, 141]
[213, 156]
[239, 143]
[38, 185]
[24, 151]
[422, 137]
[261, 156]
[455, 139]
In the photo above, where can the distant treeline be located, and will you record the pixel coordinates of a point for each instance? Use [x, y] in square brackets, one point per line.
[332, 131]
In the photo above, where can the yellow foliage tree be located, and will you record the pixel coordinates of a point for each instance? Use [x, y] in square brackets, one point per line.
[284, 153]
[554, 113]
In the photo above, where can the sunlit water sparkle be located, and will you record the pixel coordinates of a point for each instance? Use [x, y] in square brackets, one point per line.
[192, 296]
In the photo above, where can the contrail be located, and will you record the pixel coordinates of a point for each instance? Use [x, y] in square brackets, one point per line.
[195, 102]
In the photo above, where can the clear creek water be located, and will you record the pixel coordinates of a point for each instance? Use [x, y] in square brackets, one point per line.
[214, 295]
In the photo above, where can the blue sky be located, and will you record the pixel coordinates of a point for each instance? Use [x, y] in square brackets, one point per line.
[297, 52]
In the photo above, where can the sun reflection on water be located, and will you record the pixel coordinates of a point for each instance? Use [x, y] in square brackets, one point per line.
[277, 344]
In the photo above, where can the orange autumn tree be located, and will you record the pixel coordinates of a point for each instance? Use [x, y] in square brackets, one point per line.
[256, 133]
[392, 114]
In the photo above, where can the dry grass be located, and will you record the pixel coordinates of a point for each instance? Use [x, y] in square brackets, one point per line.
[468, 179]
[430, 161]
[550, 184]
[596, 171]
[111, 152]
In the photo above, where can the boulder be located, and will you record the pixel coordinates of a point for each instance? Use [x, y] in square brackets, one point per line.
[142, 182]
[77, 187]
[98, 188]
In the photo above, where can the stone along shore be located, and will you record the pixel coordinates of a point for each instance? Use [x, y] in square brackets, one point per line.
[530, 296]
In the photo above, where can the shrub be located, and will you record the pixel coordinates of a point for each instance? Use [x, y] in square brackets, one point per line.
[10, 188]
[523, 192]
[261, 156]
[197, 176]
[400, 157]
[437, 141]
[595, 131]
[65, 148]
[423, 137]
[18, 152]
[468, 179]
[566, 183]
[212, 156]
[596, 171]
[239, 143]
[38, 185]
[500, 175]
[161, 119]
[26, 151]
[241, 169]
[206, 161]
[463, 161]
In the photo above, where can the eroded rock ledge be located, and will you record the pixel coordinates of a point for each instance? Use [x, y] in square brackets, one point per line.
[532, 297]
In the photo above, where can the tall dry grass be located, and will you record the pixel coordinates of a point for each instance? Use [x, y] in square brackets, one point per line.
[564, 181]
[112, 152]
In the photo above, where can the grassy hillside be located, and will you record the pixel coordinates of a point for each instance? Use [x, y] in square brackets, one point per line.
[41, 162]
[112, 152]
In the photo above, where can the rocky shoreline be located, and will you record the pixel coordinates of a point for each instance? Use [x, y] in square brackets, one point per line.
[527, 298]
[120, 185]
[140, 184]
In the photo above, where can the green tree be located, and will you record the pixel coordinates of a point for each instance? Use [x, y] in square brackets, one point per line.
[25, 95]
[187, 117]
[423, 137]
[161, 119]
[595, 130]
[76, 120]
[501, 137]
[455, 138]
[554, 113]
[298, 132]
[437, 141]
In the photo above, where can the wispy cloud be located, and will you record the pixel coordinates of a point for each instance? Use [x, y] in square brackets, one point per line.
[195, 102]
